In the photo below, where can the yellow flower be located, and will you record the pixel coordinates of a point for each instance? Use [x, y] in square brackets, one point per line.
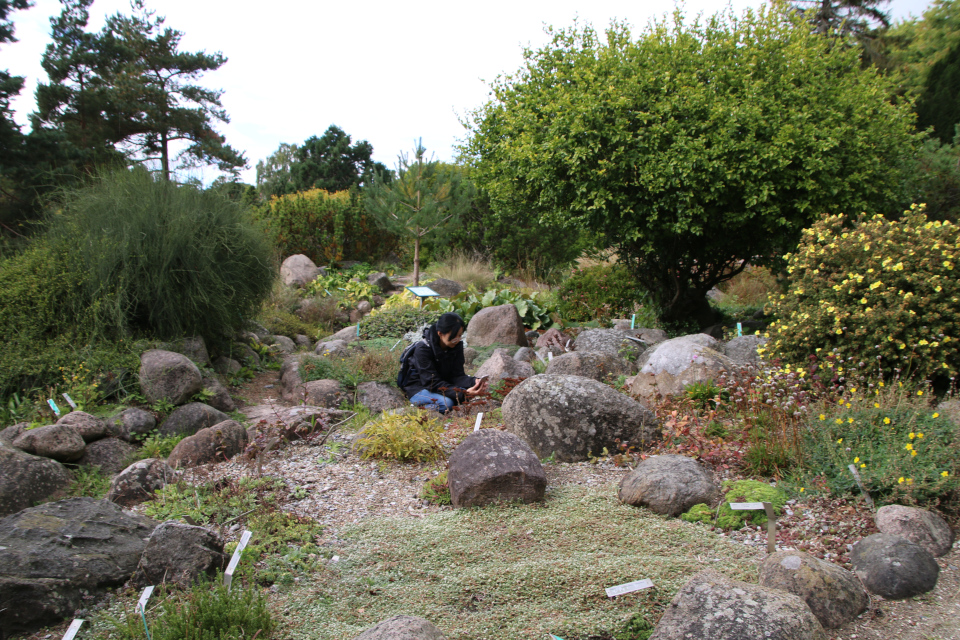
[857, 459]
[876, 405]
[920, 435]
[886, 421]
[913, 453]
[919, 393]
[840, 402]
[909, 447]
[840, 441]
[936, 415]
[850, 420]
[863, 466]
[801, 488]
[900, 480]
[909, 480]
[912, 435]
[823, 417]
[944, 474]
[848, 406]
[838, 421]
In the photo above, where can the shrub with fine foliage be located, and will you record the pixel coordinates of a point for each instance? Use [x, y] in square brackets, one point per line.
[160, 259]
[883, 292]
[601, 292]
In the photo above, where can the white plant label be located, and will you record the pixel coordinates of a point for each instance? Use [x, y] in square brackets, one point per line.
[73, 405]
[863, 490]
[629, 587]
[476, 427]
[72, 629]
[235, 560]
[746, 506]
[142, 602]
[550, 356]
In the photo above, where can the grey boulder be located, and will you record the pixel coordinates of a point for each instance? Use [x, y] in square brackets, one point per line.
[139, 481]
[110, 454]
[190, 418]
[378, 396]
[612, 341]
[894, 567]
[132, 424]
[673, 365]
[181, 554]
[332, 349]
[218, 443]
[574, 417]
[669, 485]
[298, 271]
[323, 393]
[743, 350]
[920, 526]
[501, 364]
[598, 365]
[89, 427]
[57, 441]
[220, 400]
[496, 325]
[168, 376]
[59, 552]
[494, 466]
[27, 479]
[194, 348]
[402, 628]
[712, 606]
[833, 594]
[226, 366]
[382, 281]
[284, 345]
[446, 288]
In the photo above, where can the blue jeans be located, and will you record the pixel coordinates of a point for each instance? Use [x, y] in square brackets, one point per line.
[429, 400]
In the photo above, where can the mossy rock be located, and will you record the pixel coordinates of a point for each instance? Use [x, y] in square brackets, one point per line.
[739, 491]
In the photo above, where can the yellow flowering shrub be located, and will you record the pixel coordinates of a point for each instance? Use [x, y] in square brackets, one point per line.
[883, 292]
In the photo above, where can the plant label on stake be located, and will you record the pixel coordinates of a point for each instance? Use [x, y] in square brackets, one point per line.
[553, 637]
[550, 356]
[73, 405]
[56, 410]
[235, 560]
[629, 587]
[72, 629]
[739, 329]
[771, 519]
[142, 608]
[633, 321]
[476, 427]
[863, 490]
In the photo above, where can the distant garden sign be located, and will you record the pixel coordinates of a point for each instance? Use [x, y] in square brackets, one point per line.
[423, 292]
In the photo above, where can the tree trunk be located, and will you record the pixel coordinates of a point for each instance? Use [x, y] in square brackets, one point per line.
[689, 307]
[164, 157]
[416, 262]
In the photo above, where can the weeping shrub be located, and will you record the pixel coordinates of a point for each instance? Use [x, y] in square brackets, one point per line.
[160, 259]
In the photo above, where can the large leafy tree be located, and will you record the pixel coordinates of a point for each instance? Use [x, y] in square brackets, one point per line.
[696, 148]
[425, 198]
[273, 174]
[332, 163]
[11, 138]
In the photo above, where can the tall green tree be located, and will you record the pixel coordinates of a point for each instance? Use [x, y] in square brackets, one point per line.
[11, 138]
[425, 198]
[273, 174]
[844, 17]
[332, 163]
[696, 148]
[153, 84]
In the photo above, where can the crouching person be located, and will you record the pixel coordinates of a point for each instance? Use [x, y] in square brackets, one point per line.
[432, 370]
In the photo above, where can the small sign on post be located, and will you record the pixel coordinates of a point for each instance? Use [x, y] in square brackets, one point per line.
[550, 356]
[739, 329]
[476, 427]
[235, 560]
[771, 519]
[863, 490]
[56, 410]
[630, 587]
[72, 629]
[423, 292]
[633, 321]
[73, 405]
[142, 608]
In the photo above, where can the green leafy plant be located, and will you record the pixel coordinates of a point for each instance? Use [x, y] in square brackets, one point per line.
[704, 393]
[377, 365]
[881, 291]
[436, 490]
[716, 429]
[636, 628]
[396, 321]
[530, 306]
[162, 406]
[89, 481]
[413, 436]
[603, 292]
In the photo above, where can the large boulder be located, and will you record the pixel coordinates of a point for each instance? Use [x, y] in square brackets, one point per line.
[292, 423]
[283, 344]
[496, 325]
[669, 485]
[11, 433]
[89, 427]
[57, 441]
[110, 454]
[573, 417]
[347, 334]
[501, 364]
[382, 281]
[194, 348]
[57, 553]
[332, 349]
[226, 366]
[378, 396]
[218, 443]
[743, 350]
[494, 466]
[402, 628]
[446, 288]
[833, 594]
[894, 567]
[598, 365]
[168, 376]
[675, 364]
[180, 554]
[190, 418]
[923, 527]
[712, 606]
[139, 481]
[298, 271]
[132, 424]
[554, 338]
[27, 479]
[612, 341]
[323, 393]
[221, 399]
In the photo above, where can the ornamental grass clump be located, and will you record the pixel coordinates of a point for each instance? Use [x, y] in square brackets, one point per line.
[414, 436]
[882, 291]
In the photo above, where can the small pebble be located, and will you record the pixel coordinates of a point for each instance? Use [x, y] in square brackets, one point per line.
[269, 386]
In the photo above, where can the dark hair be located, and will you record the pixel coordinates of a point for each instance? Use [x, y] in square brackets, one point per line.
[450, 323]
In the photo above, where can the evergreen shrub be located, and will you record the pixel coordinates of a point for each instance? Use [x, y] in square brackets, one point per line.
[603, 292]
[881, 292]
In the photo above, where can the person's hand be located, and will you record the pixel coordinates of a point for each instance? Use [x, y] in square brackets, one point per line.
[479, 387]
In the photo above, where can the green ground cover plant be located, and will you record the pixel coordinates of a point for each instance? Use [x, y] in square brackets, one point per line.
[369, 365]
[511, 571]
[89, 481]
[395, 321]
[739, 491]
[154, 445]
[436, 490]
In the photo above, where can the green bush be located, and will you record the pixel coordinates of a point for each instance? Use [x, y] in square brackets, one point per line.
[414, 436]
[284, 323]
[603, 292]
[394, 322]
[159, 259]
[879, 291]
[904, 454]
[532, 307]
[369, 365]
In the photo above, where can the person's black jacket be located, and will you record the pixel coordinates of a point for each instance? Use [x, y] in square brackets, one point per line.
[436, 369]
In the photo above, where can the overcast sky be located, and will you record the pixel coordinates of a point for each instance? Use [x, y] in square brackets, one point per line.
[386, 72]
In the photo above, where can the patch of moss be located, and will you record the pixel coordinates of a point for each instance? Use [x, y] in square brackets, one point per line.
[749, 491]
